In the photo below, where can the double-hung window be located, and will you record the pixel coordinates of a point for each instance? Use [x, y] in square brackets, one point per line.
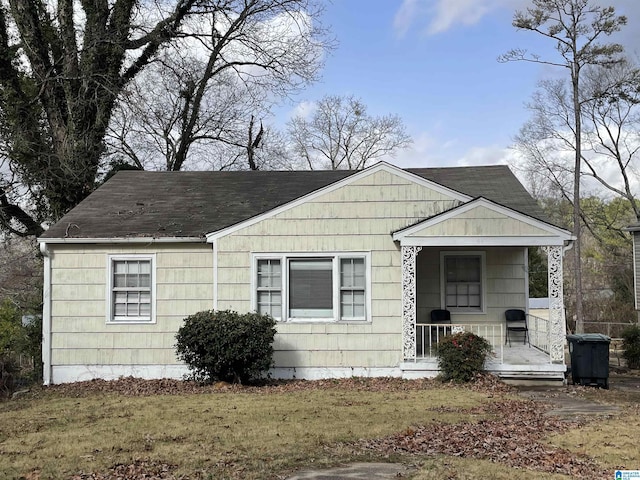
[312, 288]
[463, 282]
[269, 285]
[352, 288]
[130, 289]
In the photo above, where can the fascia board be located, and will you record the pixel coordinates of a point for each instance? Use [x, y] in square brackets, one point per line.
[494, 241]
[136, 240]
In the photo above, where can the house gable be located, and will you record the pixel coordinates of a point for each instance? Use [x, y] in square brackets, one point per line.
[378, 191]
[482, 222]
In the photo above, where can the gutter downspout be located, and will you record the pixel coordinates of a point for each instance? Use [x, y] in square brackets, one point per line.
[215, 273]
[568, 246]
[46, 315]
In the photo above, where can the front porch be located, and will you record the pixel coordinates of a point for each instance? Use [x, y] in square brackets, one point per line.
[511, 361]
[472, 261]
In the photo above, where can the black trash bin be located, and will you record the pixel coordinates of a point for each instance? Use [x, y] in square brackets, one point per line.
[589, 359]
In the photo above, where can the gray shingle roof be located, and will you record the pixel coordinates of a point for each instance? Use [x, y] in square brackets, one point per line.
[494, 182]
[191, 204]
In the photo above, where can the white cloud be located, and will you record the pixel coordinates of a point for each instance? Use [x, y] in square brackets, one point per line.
[487, 155]
[405, 16]
[423, 152]
[303, 109]
[441, 15]
[430, 149]
[438, 16]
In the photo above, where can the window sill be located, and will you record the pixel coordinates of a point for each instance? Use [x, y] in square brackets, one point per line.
[324, 322]
[131, 322]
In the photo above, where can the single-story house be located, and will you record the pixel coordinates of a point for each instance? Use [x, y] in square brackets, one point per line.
[350, 263]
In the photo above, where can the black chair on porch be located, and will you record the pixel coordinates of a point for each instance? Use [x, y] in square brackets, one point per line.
[439, 316]
[516, 322]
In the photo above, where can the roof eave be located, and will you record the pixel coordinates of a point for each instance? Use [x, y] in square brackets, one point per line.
[121, 240]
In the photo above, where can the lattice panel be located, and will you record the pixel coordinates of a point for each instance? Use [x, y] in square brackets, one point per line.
[409, 255]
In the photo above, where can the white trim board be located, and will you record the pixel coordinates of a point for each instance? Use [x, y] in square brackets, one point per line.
[455, 241]
[135, 240]
[46, 316]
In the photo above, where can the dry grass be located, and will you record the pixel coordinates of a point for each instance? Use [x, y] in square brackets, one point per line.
[268, 433]
[612, 441]
[443, 467]
[227, 435]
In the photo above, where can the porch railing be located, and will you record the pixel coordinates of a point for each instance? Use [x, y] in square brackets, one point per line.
[539, 333]
[428, 336]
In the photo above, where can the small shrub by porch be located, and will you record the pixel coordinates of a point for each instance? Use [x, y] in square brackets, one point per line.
[461, 356]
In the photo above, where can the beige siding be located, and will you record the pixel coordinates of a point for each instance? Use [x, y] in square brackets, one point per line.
[358, 217]
[480, 221]
[636, 266]
[80, 332]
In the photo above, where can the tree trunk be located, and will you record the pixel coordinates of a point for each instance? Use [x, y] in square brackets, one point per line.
[577, 111]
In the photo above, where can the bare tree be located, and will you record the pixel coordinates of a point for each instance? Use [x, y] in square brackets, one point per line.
[610, 139]
[612, 134]
[61, 68]
[575, 27]
[340, 134]
[207, 92]
[21, 274]
[64, 64]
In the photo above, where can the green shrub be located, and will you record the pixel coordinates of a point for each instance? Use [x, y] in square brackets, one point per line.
[11, 337]
[227, 346]
[631, 346]
[20, 345]
[8, 371]
[32, 347]
[11, 332]
[461, 356]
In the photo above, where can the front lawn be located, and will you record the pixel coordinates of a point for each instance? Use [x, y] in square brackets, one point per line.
[124, 429]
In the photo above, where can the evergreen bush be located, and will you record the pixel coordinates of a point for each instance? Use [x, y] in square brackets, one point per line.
[227, 346]
[461, 356]
[631, 346]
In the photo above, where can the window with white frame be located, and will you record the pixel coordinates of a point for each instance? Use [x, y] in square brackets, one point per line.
[462, 282]
[307, 288]
[131, 289]
[269, 287]
[352, 288]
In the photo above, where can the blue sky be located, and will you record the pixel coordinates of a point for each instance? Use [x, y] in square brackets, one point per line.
[434, 63]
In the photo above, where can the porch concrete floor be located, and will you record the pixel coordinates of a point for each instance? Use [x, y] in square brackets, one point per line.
[519, 354]
[516, 354]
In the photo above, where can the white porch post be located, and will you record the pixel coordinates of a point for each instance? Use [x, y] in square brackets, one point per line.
[409, 255]
[557, 322]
